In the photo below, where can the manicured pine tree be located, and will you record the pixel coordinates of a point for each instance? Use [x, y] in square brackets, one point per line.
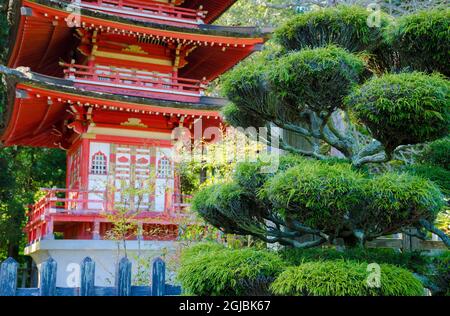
[333, 66]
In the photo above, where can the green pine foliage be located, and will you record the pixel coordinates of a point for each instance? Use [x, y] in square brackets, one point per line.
[406, 108]
[398, 198]
[282, 87]
[193, 252]
[333, 198]
[437, 153]
[413, 261]
[346, 26]
[315, 79]
[222, 205]
[248, 175]
[440, 275]
[243, 86]
[437, 174]
[228, 272]
[345, 278]
[316, 194]
[422, 40]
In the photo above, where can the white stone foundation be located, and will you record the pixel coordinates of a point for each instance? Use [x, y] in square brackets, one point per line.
[105, 253]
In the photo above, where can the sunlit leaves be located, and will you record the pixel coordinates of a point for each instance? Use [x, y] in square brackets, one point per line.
[406, 108]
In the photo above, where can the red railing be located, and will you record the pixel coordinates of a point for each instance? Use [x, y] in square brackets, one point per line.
[78, 202]
[133, 79]
[145, 10]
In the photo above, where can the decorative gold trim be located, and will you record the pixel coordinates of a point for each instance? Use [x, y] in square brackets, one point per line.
[134, 122]
[136, 49]
[142, 59]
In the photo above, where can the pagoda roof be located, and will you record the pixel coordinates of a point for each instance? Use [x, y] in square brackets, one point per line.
[204, 29]
[213, 8]
[41, 22]
[36, 104]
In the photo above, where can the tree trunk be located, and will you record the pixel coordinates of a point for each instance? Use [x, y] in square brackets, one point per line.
[203, 175]
[13, 250]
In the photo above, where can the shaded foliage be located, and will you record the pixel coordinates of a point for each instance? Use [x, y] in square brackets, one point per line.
[437, 153]
[440, 275]
[23, 172]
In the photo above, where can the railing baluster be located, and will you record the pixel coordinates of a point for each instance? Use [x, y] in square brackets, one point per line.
[154, 8]
[48, 278]
[8, 277]
[158, 82]
[159, 277]
[123, 278]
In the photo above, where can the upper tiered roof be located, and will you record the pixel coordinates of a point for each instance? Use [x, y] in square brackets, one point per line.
[94, 69]
[42, 39]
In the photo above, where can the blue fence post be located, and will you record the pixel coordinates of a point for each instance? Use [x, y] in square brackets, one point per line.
[48, 278]
[8, 277]
[123, 278]
[159, 277]
[87, 277]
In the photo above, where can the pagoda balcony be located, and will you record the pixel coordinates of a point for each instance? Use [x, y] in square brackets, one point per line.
[134, 82]
[77, 206]
[148, 11]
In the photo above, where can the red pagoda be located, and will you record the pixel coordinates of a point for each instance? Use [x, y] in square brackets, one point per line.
[108, 81]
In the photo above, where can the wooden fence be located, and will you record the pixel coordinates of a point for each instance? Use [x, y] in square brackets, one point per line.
[404, 242]
[407, 243]
[123, 287]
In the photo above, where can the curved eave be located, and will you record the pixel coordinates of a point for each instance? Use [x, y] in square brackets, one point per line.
[36, 104]
[218, 48]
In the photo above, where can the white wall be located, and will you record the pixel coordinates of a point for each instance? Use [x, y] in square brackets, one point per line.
[69, 254]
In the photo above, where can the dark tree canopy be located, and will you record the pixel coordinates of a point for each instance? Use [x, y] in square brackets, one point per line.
[23, 172]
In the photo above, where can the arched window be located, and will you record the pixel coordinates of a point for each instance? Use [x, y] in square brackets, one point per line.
[164, 168]
[99, 164]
